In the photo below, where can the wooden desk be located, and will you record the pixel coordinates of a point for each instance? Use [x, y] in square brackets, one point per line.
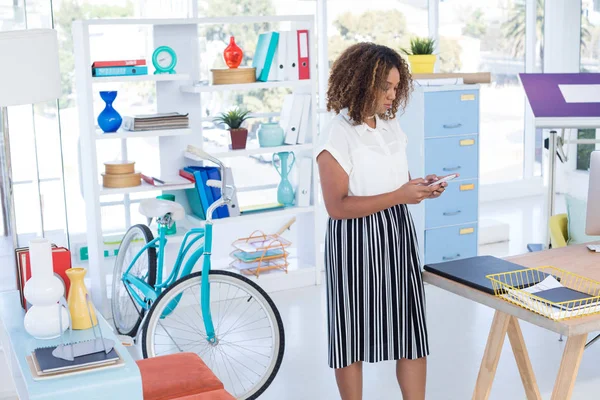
[577, 259]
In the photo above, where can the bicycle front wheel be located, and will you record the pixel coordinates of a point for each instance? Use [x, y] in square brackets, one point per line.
[249, 342]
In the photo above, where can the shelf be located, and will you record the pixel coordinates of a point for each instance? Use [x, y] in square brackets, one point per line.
[250, 151]
[141, 134]
[244, 86]
[256, 216]
[144, 187]
[142, 78]
[199, 21]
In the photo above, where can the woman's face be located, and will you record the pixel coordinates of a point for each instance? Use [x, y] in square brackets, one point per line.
[387, 93]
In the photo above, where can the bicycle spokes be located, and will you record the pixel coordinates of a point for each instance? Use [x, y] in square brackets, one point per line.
[243, 347]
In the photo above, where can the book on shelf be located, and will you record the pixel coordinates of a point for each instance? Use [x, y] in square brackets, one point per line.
[282, 55]
[295, 118]
[166, 181]
[61, 262]
[120, 71]
[118, 63]
[148, 122]
[202, 196]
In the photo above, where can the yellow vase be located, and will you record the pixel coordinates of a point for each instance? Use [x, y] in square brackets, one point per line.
[422, 64]
[80, 313]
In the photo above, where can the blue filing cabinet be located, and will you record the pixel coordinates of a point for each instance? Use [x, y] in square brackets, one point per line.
[442, 125]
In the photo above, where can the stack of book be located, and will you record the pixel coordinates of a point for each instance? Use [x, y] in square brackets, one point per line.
[156, 121]
[119, 68]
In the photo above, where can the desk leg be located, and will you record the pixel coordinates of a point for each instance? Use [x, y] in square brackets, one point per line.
[515, 336]
[493, 348]
[569, 366]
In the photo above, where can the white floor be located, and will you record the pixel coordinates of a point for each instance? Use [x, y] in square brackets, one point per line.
[458, 331]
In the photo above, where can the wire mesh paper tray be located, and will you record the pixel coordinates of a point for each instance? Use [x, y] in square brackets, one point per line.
[549, 291]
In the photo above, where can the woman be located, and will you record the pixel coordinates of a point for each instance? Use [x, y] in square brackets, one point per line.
[375, 297]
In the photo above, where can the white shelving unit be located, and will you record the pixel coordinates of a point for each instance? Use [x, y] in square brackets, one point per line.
[142, 78]
[141, 134]
[246, 86]
[178, 92]
[144, 187]
[252, 151]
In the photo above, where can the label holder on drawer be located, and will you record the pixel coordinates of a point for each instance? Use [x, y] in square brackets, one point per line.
[466, 231]
[465, 187]
[467, 142]
[467, 97]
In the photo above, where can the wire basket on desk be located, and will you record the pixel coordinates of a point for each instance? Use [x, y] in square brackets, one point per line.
[260, 252]
[549, 291]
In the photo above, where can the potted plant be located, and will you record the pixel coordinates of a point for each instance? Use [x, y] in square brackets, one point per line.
[420, 55]
[234, 119]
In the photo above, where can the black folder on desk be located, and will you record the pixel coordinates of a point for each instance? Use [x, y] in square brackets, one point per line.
[472, 271]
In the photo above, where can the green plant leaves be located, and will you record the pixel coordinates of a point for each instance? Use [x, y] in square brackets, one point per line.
[420, 46]
[233, 118]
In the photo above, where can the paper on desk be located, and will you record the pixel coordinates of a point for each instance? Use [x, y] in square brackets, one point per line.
[544, 308]
[549, 283]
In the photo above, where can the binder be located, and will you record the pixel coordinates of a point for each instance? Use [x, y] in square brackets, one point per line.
[120, 71]
[263, 56]
[277, 72]
[291, 132]
[303, 54]
[214, 173]
[303, 192]
[286, 112]
[304, 131]
[233, 207]
[201, 188]
[291, 72]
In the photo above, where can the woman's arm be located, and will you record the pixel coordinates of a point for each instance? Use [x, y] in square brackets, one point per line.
[334, 184]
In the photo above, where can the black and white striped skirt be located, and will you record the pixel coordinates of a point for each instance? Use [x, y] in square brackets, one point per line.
[375, 295]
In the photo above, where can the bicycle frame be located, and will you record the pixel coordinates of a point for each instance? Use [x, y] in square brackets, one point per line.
[151, 293]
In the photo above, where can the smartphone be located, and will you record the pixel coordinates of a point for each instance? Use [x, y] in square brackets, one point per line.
[444, 179]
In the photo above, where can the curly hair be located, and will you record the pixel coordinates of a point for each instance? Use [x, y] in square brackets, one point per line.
[357, 76]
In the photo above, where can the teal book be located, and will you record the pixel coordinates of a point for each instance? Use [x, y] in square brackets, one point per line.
[264, 54]
[120, 71]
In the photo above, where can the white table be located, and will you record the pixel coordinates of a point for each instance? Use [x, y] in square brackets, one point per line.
[113, 383]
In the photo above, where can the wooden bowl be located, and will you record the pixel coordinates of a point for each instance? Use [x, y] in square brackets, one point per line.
[227, 76]
[121, 180]
[119, 167]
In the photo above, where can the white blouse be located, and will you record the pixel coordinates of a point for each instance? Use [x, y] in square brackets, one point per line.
[374, 159]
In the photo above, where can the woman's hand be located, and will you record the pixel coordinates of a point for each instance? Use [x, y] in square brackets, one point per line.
[415, 191]
[439, 189]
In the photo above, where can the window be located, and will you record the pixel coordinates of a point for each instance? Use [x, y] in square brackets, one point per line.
[390, 23]
[490, 37]
[589, 62]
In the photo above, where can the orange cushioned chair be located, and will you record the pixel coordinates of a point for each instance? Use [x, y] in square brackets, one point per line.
[182, 376]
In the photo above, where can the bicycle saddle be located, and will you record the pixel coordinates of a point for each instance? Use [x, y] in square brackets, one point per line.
[157, 208]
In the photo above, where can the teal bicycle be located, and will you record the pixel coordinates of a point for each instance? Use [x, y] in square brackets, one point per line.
[227, 319]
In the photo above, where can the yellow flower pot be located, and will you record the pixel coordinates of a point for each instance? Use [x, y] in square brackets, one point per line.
[422, 64]
[80, 313]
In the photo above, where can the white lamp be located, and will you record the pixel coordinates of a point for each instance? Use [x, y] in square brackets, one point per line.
[29, 74]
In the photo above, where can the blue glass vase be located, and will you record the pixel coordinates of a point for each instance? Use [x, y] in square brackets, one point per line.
[285, 191]
[109, 119]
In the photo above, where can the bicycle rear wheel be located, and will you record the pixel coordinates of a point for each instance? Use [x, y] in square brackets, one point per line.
[249, 332]
[127, 314]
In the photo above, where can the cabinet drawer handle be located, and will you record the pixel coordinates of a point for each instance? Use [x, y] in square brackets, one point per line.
[448, 258]
[452, 126]
[452, 213]
[452, 168]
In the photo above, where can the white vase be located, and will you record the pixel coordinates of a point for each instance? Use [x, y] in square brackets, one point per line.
[43, 290]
